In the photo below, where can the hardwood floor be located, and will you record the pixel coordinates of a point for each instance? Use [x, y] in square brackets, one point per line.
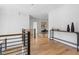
[43, 46]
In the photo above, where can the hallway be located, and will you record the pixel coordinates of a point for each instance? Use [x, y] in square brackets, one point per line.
[43, 46]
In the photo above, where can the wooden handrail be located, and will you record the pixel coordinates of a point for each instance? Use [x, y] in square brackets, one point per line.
[15, 34]
[10, 35]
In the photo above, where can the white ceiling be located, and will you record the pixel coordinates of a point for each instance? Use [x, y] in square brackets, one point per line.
[36, 10]
[40, 10]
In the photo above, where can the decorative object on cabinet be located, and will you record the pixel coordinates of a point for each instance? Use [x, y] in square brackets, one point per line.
[68, 28]
[72, 27]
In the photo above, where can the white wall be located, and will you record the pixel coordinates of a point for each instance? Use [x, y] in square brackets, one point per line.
[11, 21]
[1, 18]
[61, 17]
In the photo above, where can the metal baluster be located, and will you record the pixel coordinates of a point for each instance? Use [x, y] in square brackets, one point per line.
[23, 36]
[5, 43]
[23, 39]
[1, 49]
[77, 41]
[28, 43]
[4, 46]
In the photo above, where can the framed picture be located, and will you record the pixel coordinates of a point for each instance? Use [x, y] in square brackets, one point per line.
[43, 25]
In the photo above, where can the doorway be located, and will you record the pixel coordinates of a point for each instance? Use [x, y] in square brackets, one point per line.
[34, 29]
[38, 27]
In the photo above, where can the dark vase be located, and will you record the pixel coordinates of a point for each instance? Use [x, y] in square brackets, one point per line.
[72, 27]
[68, 28]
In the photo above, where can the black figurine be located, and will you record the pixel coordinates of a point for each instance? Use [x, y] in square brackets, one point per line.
[68, 28]
[72, 27]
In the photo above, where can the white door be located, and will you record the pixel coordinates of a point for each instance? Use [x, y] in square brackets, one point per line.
[35, 29]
